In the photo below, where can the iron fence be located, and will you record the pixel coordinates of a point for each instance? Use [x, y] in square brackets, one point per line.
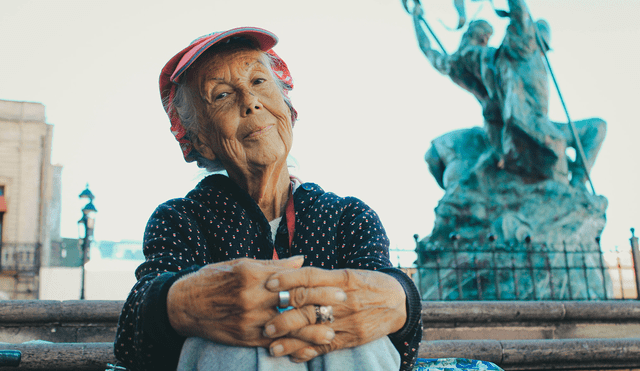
[526, 271]
[19, 257]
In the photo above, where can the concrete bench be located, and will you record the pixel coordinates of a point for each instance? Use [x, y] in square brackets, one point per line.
[74, 321]
[567, 354]
[62, 356]
[515, 335]
[528, 320]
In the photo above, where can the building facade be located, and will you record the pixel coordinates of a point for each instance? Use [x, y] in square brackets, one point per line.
[29, 201]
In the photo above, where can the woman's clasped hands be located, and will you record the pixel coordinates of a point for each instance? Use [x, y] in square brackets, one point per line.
[369, 306]
[236, 303]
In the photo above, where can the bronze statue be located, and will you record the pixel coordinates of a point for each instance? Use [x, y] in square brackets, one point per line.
[512, 193]
[511, 84]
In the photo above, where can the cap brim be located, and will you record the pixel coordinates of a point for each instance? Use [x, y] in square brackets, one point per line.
[264, 39]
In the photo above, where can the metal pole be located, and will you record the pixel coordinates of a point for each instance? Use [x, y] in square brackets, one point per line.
[456, 264]
[87, 221]
[85, 241]
[418, 263]
[635, 252]
[603, 270]
[567, 268]
[478, 278]
[515, 277]
[424, 22]
[620, 273]
[586, 275]
[574, 131]
[496, 271]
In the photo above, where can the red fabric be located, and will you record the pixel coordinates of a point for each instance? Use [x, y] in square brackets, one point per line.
[291, 223]
[3, 204]
[291, 220]
[173, 70]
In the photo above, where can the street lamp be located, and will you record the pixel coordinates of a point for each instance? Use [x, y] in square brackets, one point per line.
[87, 221]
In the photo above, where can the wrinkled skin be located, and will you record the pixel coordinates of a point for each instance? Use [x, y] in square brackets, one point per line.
[375, 307]
[228, 302]
[245, 123]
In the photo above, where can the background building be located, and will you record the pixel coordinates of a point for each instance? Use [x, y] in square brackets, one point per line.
[29, 202]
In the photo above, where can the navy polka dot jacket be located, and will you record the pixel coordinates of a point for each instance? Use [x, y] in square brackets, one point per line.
[219, 221]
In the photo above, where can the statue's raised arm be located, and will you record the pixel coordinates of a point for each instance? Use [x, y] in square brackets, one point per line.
[520, 38]
[518, 12]
[438, 60]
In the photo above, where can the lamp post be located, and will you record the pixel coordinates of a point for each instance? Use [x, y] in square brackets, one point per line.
[87, 221]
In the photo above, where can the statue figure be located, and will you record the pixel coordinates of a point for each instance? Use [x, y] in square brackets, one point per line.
[511, 84]
[453, 155]
[515, 203]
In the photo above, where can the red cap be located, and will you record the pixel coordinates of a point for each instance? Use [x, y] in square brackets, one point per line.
[174, 69]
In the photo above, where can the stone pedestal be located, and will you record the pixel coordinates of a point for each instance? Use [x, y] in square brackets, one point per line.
[494, 201]
[499, 235]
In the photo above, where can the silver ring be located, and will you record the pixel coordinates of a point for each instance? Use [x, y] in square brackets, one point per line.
[283, 299]
[324, 314]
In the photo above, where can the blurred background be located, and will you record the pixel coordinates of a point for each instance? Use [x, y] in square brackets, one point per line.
[369, 103]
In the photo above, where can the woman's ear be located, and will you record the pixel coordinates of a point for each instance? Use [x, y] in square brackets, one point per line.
[199, 143]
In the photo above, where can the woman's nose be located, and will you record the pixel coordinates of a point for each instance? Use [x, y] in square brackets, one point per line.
[251, 103]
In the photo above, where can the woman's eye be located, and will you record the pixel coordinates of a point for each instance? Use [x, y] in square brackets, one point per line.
[259, 81]
[221, 96]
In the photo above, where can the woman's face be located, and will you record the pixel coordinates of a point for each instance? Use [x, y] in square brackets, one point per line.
[245, 122]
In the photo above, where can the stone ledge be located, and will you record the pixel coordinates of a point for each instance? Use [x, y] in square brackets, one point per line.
[62, 356]
[573, 354]
[48, 311]
[567, 354]
[481, 312]
[530, 311]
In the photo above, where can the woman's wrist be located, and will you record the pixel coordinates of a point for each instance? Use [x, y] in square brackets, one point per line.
[177, 297]
[399, 300]
[413, 305]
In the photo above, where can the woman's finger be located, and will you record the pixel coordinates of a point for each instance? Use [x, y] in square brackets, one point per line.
[286, 346]
[289, 321]
[293, 262]
[306, 337]
[308, 277]
[302, 296]
[314, 334]
[306, 354]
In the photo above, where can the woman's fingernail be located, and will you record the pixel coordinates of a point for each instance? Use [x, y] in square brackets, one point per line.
[310, 353]
[273, 284]
[269, 330]
[276, 350]
[330, 335]
[341, 296]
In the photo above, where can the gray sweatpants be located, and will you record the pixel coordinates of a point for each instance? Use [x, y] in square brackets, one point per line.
[199, 354]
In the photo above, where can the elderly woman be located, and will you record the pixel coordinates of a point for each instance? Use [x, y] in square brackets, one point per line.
[254, 270]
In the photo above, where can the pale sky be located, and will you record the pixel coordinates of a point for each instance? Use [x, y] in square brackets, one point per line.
[369, 102]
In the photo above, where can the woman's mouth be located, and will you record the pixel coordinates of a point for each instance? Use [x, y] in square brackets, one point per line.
[259, 132]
